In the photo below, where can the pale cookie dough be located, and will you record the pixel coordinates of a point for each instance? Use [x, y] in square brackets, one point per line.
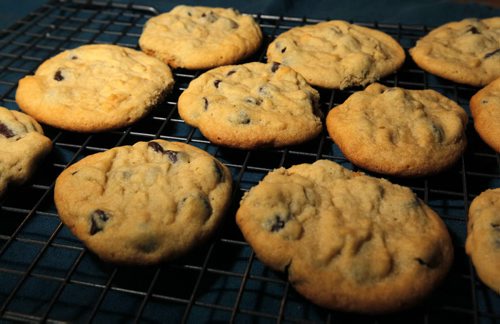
[145, 203]
[466, 51]
[347, 241]
[336, 54]
[399, 132]
[252, 105]
[22, 146]
[483, 237]
[94, 88]
[200, 37]
[485, 109]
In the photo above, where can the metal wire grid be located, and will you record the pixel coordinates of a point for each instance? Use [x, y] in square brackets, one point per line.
[46, 275]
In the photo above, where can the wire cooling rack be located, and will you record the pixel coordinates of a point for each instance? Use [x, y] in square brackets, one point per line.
[46, 275]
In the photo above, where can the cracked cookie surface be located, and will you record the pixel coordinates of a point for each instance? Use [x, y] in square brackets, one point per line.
[466, 51]
[145, 203]
[22, 146]
[94, 88]
[483, 237]
[195, 37]
[485, 109]
[398, 131]
[252, 105]
[346, 240]
[337, 54]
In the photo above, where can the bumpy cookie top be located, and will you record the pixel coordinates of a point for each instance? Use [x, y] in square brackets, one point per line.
[485, 109]
[144, 203]
[347, 241]
[336, 54]
[94, 88]
[200, 37]
[467, 51]
[483, 237]
[398, 131]
[252, 105]
[22, 144]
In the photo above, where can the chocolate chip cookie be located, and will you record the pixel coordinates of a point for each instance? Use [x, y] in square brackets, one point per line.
[398, 131]
[485, 109]
[252, 105]
[195, 37]
[347, 241]
[337, 54]
[94, 88]
[22, 146]
[483, 237]
[466, 51]
[145, 203]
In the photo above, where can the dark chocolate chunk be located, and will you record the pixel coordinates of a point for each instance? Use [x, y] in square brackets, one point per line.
[6, 131]
[189, 14]
[205, 103]
[275, 67]
[283, 50]
[484, 101]
[172, 155]
[278, 223]
[98, 220]
[496, 227]
[473, 30]
[230, 72]
[490, 54]
[216, 83]
[156, 147]
[58, 76]
[74, 57]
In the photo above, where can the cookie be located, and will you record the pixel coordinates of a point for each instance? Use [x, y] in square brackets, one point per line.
[94, 88]
[347, 241]
[22, 146]
[466, 51]
[483, 237]
[399, 132]
[336, 54]
[252, 105]
[200, 37]
[485, 109]
[145, 203]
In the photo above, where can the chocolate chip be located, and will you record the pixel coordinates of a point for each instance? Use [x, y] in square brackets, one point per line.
[490, 54]
[432, 263]
[189, 14]
[172, 155]
[219, 173]
[58, 76]
[6, 131]
[233, 24]
[156, 147]
[231, 72]
[278, 223]
[98, 220]
[74, 57]
[473, 30]
[74, 172]
[216, 83]
[206, 203]
[205, 103]
[275, 67]
[254, 101]
[283, 50]
[203, 15]
[484, 101]
[496, 227]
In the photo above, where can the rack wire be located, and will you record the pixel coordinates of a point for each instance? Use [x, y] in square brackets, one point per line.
[46, 274]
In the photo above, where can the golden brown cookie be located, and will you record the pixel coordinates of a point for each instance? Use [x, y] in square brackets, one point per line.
[483, 237]
[347, 241]
[466, 51]
[94, 88]
[145, 203]
[337, 54]
[398, 131]
[485, 109]
[195, 37]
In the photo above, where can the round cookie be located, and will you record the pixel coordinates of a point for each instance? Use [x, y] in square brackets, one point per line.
[94, 88]
[336, 54]
[200, 37]
[252, 105]
[347, 241]
[485, 109]
[22, 146]
[145, 203]
[466, 51]
[483, 237]
[399, 132]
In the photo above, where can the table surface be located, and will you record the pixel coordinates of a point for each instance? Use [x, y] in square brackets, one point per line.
[426, 12]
